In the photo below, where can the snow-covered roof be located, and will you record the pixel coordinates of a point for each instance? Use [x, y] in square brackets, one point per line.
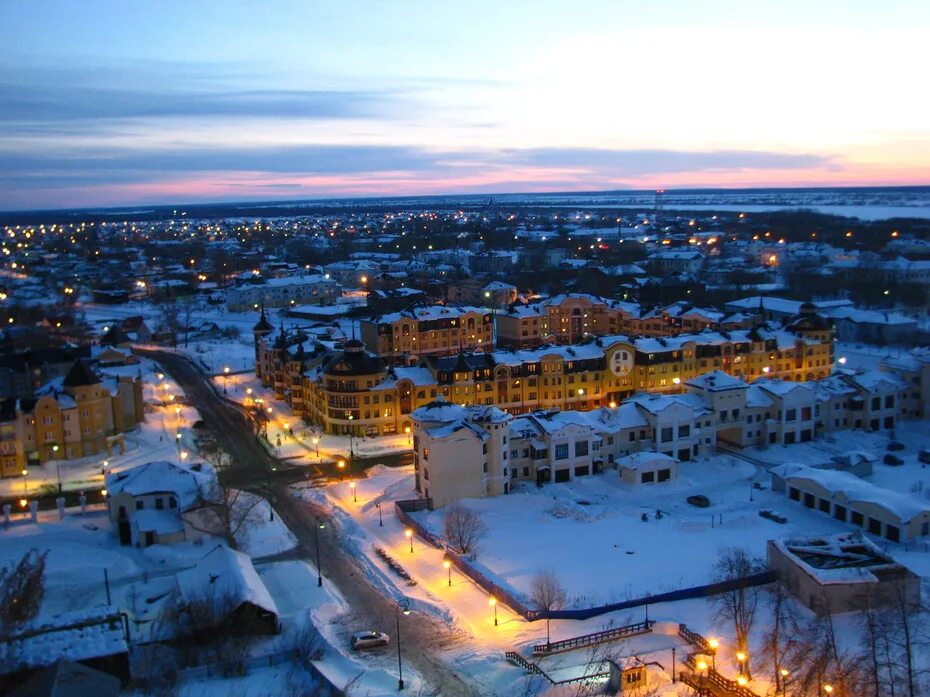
[904, 507]
[163, 522]
[418, 376]
[224, 574]
[160, 477]
[645, 460]
[74, 636]
[431, 312]
[843, 558]
[717, 381]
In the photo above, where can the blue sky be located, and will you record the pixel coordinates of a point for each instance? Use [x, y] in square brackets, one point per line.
[115, 103]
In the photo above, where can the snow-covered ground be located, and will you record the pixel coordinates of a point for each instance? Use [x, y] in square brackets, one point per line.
[591, 533]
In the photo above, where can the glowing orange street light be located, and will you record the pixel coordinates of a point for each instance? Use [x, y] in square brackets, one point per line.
[447, 565]
[342, 466]
[492, 601]
[409, 534]
[354, 492]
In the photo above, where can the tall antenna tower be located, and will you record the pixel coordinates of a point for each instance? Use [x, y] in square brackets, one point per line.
[659, 206]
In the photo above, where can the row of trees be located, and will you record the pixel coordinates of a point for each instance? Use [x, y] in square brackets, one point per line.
[872, 653]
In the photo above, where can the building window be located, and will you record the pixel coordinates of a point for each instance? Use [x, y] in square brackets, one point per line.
[581, 448]
[561, 451]
[667, 434]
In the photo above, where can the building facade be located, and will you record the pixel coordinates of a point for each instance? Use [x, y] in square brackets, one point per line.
[81, 414]
[437, 330]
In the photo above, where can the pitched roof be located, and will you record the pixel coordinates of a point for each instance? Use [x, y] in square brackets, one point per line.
[80, 375]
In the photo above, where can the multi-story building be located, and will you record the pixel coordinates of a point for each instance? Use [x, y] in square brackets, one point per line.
[600, 372]
[436, 330]
[78, 415]
[458, 455]
[282, 292]
[564, 319]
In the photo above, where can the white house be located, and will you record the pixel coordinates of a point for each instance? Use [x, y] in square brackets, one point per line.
[647, 468]
[158, 503]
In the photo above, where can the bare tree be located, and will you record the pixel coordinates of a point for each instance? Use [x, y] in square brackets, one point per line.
[738, 605]
[463, 528]
[780, 636]
[878, 675]
[548, 594]
[229, 512]
[22, 588]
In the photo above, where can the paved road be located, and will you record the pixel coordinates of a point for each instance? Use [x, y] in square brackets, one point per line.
[423, 636]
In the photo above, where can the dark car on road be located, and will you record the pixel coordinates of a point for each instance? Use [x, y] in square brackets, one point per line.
[893, 460]
[699, 500]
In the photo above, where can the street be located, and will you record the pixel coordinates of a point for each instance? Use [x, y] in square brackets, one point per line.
[423, 636]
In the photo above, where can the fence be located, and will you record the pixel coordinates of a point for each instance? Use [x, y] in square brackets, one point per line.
[403, 508]
[531, 667]
[592, 639]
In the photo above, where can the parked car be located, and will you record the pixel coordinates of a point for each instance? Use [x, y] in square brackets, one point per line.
[369, 640]
[893, 460]
[699, 500]
[895, 445]
[773, 516]
[924, 455]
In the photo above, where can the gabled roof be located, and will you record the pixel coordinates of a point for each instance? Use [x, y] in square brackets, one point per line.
[225, 575]
[80, 375]
[160, 477]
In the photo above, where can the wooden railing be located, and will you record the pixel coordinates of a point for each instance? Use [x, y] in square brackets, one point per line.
[595, 638]
[694, 638]
[531, 667]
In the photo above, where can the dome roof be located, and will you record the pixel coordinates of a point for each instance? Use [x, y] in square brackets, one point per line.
[263, 325]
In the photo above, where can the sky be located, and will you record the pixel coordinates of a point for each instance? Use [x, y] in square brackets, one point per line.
[132, 102]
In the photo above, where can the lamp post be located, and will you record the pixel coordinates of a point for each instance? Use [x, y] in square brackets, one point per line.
[674, 650]
[742, 663]
[402, 606]
[408, 533]
[316, 444]
[380, 519]
[714, 644]
[342, 467]
[407, 431]
[225, 377]
[783, 674]
[354, 492]
[702, 669]
[316, 539]
[57, 465]
[447, 565]
[828, 688]
[177, 440]
[351, 435]
[25, 477]
[492, 601]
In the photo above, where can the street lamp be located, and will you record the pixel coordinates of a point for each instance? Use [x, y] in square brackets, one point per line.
[407, 431]
[702, 669]
[408, 533]
[380, 519]
[714, 644]
[316, 539]
[828, 689]
[447, 565]
[492, 601]
[25, 476]
[57, 465]
[354, 492]
[741, 662]
[225, 376]
[316, 444]
[342, 466]
[402, 606]
[783, 674]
